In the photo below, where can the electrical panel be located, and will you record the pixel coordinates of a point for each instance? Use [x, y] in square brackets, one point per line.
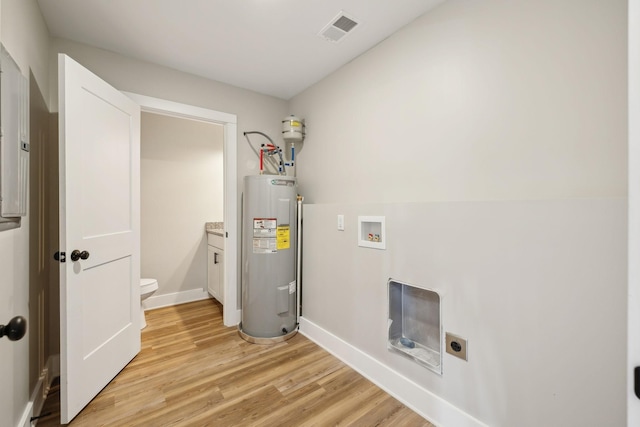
[14, 142]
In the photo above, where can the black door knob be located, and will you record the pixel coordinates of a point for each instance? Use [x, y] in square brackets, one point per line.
[76, 255]
[15, 329]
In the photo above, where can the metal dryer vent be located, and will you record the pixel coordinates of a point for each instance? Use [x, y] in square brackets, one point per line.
[338, 28]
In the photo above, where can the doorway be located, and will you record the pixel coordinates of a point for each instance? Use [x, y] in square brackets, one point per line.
[181, 189]
[231, 312]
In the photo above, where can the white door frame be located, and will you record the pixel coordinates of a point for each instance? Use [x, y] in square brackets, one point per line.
[231, 312]
[633, 338]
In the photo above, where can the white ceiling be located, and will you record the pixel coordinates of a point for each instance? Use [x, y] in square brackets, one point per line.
[269, 46]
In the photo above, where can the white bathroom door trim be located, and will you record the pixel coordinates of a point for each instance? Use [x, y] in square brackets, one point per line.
[633, 332]
[100, 214]
[231, 312]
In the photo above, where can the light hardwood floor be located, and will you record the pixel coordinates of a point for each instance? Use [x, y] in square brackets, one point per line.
[194, 371]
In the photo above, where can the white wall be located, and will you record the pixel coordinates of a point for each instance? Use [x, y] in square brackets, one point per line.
[181, 189]
[479, 130]
[25, 36]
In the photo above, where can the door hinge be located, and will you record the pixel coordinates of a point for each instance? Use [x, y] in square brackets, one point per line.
[60, 256]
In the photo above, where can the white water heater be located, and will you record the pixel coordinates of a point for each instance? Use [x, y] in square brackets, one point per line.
[269, 243]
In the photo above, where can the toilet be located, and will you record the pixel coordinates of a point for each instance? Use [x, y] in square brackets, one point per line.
[147, 288]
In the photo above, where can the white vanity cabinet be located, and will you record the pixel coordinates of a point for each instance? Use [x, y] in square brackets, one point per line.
[215, 266]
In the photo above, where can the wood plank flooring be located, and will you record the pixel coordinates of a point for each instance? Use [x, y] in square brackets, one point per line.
[194, 371]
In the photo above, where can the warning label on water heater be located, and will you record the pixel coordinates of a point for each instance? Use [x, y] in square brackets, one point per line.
[264, 236]
[282, 237]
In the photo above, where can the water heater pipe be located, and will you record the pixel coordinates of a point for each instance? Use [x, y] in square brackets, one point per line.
[265, 148]
[292, 163]
[277, 150]
[299, 261]
[272, 148]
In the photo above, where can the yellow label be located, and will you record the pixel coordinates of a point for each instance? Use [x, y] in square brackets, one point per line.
[282, 237]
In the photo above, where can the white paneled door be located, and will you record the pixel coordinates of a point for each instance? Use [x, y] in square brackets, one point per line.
[99, 234]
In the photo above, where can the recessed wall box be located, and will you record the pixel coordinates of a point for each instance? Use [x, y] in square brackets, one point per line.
[14, 142]
[415, 327]
[371, 232]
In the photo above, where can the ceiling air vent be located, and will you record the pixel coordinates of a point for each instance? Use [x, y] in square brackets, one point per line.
[338, 28]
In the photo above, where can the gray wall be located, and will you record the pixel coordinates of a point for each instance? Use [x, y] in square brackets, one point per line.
[493, 137]
[489, 100]
[536, 287]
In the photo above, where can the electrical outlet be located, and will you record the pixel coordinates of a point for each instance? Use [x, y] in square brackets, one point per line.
[341, 222]
[456, 346]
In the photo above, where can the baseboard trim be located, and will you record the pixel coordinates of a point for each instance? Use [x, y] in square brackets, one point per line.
[430, 406]
[25, 421]
[231, 318]
[182, 297]
[40, 391]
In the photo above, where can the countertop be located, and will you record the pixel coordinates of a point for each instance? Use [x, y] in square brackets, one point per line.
[214, 228]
